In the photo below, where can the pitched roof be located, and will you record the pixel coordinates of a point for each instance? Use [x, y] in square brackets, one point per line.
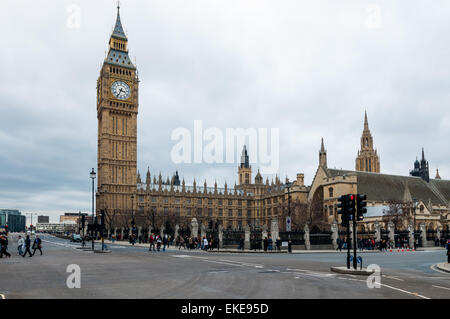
[384, 187]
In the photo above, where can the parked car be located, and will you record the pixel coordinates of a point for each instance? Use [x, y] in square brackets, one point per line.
[75, 238]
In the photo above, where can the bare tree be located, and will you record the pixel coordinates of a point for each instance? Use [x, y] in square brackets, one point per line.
[399, 213]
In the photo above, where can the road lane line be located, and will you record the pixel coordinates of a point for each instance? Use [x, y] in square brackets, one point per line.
[405, 291]
[223, 263]
[441, 287]
[392, 277]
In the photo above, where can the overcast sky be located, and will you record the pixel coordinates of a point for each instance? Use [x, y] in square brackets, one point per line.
[308, 68]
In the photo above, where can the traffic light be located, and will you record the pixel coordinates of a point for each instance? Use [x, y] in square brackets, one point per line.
[83, 221]
[342, 209]
[351, 201]
[361, 206]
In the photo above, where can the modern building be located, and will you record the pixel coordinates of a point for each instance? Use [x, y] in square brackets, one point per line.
[13, 219]
[74, 217]
[43, 220]
[58, 228]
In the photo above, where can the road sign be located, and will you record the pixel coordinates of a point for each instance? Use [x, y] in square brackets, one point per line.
[288, 223]
[359, 259]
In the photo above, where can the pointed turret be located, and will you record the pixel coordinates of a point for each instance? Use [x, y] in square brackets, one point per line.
[437, 174]
[367, 159]
[138, 178]
[148, 179]
[322, 155]
[258, 178]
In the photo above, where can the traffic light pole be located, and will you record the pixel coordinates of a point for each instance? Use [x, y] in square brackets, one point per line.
[348, 245]
[355, 262]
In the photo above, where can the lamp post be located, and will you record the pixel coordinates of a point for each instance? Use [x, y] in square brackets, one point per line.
[93, 175]
[133, 223]
[415, 203]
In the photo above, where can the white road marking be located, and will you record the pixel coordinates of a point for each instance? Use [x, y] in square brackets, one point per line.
[392, 277]
[181, 256]
[223, 263]
[405, 291]
[441, 287]
[244, 264]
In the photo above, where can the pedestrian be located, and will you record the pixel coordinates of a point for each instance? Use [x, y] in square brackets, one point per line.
[158, 242]
[339, 244]
[165, 242]
[37, 245]
[278, 243]
[21, 245]
[266, 243]
[152, 242]
[270, 242]
[205, 243]
[448, 251]
[27, 246]
[4, 246]
[181, 243]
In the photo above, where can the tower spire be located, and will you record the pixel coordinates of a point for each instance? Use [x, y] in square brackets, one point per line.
[118, 29]
[366, 122]
[322, 155]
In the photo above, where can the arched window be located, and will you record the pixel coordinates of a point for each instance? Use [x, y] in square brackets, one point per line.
[330, 190]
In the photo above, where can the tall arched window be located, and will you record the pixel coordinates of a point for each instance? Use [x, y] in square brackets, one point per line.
[330, 190]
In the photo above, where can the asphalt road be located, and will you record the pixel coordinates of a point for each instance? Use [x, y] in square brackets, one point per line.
[134, 272]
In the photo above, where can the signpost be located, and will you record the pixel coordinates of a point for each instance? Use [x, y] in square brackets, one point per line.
[288, 223]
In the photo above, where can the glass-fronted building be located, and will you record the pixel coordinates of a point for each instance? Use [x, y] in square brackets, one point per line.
[13, 218]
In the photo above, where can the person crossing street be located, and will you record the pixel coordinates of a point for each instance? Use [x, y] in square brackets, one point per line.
[37, 245]
[27, 247]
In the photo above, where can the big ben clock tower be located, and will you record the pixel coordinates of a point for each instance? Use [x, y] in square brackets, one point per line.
[117, 109]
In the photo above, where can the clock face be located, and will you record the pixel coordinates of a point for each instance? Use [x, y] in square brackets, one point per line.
[120, 90]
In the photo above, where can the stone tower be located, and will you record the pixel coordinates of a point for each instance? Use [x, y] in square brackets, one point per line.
[368, 159]
[244, 169]
[117, 110]
[421, 169]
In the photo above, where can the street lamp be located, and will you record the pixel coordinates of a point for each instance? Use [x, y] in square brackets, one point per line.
[132, 210]
[415, 203]
[93, 175]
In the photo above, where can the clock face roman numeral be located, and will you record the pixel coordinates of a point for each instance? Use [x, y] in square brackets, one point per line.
[120, 90]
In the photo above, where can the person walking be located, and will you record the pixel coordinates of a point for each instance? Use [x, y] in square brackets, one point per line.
[158, 242]
[278, 243]
[4, 246]
[205, 243]
[270, 243]
[152, 242]
[448, 251]
[165, 242]
[27, 246]
[21, 245]
[339, 244]
[37, 245]
[266, 243]
[181, 243]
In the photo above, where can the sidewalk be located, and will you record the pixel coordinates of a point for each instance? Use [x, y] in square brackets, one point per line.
[235, 250]
[443, 267]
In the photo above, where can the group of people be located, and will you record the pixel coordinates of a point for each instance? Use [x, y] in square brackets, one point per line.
[24, 246]
[365, 244]
[189, 242]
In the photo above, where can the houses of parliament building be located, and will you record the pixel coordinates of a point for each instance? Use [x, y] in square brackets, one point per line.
[253, 201]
